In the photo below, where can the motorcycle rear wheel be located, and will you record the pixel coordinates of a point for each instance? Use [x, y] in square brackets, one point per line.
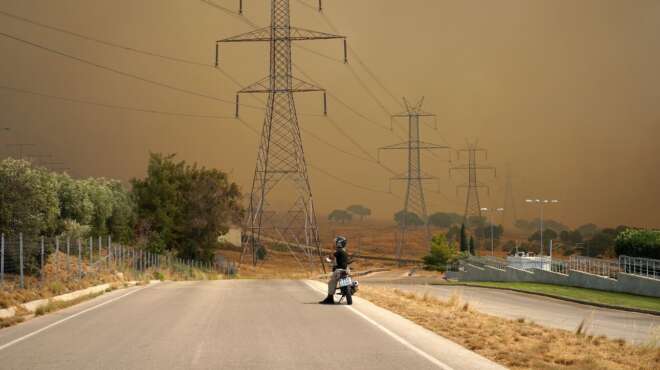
[348, 294]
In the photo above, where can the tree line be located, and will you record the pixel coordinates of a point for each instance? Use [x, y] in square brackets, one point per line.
[177, 207]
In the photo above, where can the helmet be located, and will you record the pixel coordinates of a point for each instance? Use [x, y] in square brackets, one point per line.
[340, 242]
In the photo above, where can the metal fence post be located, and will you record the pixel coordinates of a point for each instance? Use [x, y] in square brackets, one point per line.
[79, 259]
[57, 252]
[41, 270]
[2, 259]
[20, 248]
[91, 251]
[111, 253]
[68, 251]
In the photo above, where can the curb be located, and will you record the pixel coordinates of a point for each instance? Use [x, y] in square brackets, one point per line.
[573, 300]
[32, 306]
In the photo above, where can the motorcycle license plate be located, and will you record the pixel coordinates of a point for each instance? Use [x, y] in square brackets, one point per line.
[345, 282]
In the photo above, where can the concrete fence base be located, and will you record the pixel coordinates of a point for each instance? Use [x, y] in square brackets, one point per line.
[32, 306]
[626, 283]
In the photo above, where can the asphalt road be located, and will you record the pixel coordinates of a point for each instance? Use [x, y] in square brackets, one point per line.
[227, 325]
[631, 326]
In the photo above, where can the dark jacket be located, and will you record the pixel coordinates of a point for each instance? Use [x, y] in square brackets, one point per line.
[342, 260]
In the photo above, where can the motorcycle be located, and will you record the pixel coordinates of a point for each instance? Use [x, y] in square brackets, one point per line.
[346, 286]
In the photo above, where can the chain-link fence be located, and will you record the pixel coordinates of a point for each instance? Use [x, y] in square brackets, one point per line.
[29, 261]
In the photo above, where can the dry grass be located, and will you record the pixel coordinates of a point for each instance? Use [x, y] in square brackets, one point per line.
[10, 321]
[53, 306]
[58, 280]
[517, 344]
[282, 265]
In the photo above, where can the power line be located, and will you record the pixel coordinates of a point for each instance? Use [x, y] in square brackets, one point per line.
[332, 96]
[177, 114]
[231, 13]
[320, 139]
[103, 42]
[122, 73]
[364, 66]
[112, 106]
[126, 48]
[357, 145]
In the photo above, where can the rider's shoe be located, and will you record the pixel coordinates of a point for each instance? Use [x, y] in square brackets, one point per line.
[328, 300]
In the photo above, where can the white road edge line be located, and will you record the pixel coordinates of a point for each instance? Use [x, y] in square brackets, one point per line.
[26, 336]
[396, 337]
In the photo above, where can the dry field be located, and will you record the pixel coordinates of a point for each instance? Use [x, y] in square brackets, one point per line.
[516, 344]
[283, 265]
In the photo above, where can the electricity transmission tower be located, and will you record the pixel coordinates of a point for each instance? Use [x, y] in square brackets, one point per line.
[472, 205]
[414, 201]
[281, 172]
[510, 213]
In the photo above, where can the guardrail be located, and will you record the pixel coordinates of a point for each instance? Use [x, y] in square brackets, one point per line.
[596, 266]
[640, 266]
[488, 261]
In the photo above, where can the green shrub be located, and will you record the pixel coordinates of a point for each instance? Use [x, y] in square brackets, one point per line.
[638, 243]
[440, 255]
[262, 253]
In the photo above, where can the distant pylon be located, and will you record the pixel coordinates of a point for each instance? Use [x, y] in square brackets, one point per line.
[472, 204]
[281, 160]
[510, 213]
[414, 201]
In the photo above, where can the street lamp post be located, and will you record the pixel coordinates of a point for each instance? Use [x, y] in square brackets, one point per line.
[542, 203]
[490, 220]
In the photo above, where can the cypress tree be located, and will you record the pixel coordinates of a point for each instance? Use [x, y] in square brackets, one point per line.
[463, 240]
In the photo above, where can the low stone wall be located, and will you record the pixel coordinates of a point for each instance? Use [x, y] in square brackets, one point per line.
[626, 283]
[640, 285]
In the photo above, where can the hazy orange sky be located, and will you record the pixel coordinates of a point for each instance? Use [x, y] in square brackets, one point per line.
[566, 92]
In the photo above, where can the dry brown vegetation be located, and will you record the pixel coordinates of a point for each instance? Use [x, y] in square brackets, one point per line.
[282, 265]
[57, 280]
[52, 306]
[517, 344]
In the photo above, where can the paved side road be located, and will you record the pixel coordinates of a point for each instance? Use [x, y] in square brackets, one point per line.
[227, 325]
[555, 313]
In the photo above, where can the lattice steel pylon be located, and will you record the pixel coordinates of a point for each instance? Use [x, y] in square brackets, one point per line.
[472, 204]
[281, 159]
[414, 201]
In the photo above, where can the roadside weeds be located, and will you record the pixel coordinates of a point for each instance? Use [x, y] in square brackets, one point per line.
[518, 344]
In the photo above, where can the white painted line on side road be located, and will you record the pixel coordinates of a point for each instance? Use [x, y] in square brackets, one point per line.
[26, 336]
[396, 337]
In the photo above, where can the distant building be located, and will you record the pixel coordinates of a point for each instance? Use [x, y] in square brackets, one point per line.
[233, 236]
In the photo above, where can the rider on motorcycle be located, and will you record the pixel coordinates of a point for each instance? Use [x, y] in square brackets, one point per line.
[341, 262]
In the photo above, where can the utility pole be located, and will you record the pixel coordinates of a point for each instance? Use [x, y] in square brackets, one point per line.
[542, 203]
[472, 205]
[510, 213]
[414, 201]
[280, 159]
[490, 221]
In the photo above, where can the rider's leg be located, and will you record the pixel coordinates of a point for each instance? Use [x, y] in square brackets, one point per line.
[332, 286]
[332, 283]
